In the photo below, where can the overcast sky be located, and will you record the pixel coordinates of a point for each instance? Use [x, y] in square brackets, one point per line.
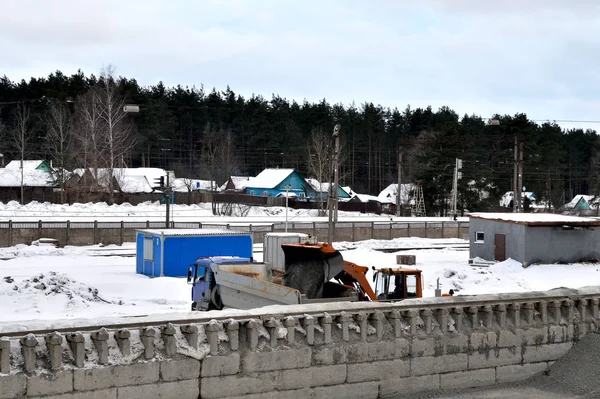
[476, 56]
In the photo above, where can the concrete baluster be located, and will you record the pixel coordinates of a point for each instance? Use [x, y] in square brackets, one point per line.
[190, 332]
[213, 336]
[595, 310]
[271, 326]
[308, 323]
[569, 310]
[123, 338]
[473, 312]
[501, 314]
[344, 320]
[529, 310]
[488, 317]
[54, 347]
[252, 333]
[458, 318]
[555, 312]
[442, 319]
[326, 325]
[290, 323]
[411, 318]
[377, 322]
[28, 344]
[77, 344]
[4, 355]
[543, 309]
[168, 337]
[395, 319]
[361, 319]
[100, 340]
[427, 315]
[515, 314]
[583, 312]
[147, 336]
[233, 332]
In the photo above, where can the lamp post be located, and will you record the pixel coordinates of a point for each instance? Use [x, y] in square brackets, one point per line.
[287, 195]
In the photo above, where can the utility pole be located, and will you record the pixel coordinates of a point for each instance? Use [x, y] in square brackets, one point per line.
[333, 187]
[518, 173]
[399, 191]
[287, 195]
[457, 176]
[168, 193]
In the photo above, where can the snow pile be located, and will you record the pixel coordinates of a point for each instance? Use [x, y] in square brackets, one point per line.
[56, 285]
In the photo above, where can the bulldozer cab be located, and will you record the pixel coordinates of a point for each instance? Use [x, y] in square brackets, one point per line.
[397, 283]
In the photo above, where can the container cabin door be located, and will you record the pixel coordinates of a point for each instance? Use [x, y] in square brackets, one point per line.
[499, 247]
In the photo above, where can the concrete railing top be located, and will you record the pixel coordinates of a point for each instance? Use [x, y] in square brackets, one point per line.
[333, 309]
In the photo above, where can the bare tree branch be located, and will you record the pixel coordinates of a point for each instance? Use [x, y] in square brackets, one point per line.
[59, 142]
[21, 136]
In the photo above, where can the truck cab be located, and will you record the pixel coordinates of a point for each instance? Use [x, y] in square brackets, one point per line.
[397, 283]
[205, 294]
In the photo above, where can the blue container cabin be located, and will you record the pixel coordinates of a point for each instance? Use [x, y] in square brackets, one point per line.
[170, 252]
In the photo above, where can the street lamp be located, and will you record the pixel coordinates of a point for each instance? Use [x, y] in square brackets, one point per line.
[287, 191]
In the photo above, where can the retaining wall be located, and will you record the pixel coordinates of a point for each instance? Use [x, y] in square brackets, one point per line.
[336, 350]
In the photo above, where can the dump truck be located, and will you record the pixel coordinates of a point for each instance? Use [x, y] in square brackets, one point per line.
[312, 273]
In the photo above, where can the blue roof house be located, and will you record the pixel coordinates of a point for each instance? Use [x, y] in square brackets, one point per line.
[272, 182]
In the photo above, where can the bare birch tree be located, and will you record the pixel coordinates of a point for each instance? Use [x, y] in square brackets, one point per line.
[319, 161]
[87, 140]
[21, 136]
[217, 158]
[59, 142]
[116, 133]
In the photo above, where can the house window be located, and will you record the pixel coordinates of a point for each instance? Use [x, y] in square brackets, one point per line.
[251, 192]
[148, 249]
[479, 237]
[266, 194]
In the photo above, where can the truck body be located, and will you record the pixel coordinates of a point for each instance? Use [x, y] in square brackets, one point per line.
[241, 283]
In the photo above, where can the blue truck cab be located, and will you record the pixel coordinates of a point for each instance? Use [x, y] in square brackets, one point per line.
[205, 293]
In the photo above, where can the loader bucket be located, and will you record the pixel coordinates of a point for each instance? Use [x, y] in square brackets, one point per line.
[308, 267]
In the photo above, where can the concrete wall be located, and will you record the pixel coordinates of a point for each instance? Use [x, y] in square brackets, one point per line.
[554, 244]
[514, 236]
[349, 350]
[88, 233]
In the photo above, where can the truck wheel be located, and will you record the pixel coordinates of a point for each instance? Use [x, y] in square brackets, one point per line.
[215, 299]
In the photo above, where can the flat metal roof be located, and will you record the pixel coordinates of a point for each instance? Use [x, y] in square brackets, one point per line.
[537, 219]
[193, 232]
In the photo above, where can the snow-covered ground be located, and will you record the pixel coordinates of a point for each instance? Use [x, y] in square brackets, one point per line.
[40, 282]
[36, 211]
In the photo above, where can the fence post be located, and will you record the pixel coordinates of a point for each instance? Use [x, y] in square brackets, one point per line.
[390, 230]
[458, 230]
[315, 229]
[353, 232]
[39, 229]
[68, 232]
[121, 231]
[199, 225]
[95, 232]
[443, 223]
[372, 230]
[425, 229]
[10, 233]
[408, 228]
[147, 224]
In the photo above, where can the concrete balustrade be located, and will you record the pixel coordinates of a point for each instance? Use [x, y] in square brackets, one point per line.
[354, 350]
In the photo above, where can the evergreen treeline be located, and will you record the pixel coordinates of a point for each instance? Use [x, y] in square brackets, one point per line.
[211, 134]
